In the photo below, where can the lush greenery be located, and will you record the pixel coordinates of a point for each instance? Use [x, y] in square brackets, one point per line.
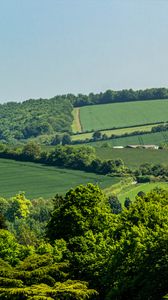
[133, 158]
[34, 117]
[116, 132]
[155, 138]
[132, 190]
[111, 96]
[40, 180]
[86, 250]
[127, 114]
[79, 158]
[47, 117]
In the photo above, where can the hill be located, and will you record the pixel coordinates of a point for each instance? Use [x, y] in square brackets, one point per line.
[38, 180]
[32, 118]
[133, 158]
[69, 113]
[126, 114]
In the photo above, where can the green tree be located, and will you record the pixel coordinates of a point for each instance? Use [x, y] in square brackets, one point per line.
[82, 210]
[31, 151]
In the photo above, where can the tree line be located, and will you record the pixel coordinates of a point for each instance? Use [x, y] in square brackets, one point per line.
[78, 158]
[84, 158]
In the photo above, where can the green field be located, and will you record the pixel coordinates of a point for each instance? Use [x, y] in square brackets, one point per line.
[45, 181]
[134, 157]
[156, 138]
[132, 191]
[109, 132]
[96, 117]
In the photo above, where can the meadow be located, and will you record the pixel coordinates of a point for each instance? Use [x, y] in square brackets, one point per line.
[37, 180]
[132, 191]
[109, 132]
[156, 138]
[133, 158]
[96, 117]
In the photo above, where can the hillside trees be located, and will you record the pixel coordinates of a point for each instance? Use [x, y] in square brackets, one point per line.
[138, 265]
[84, 221]
[123, 256]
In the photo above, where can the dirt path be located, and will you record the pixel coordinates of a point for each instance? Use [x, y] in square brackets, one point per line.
[76, 127]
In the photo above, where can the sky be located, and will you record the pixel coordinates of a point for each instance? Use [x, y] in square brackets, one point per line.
[51, 47]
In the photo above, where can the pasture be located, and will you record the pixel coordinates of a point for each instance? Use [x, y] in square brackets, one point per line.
[133, 158]
[37, 180]
[109, 132]
[132, 191]
[156, 138]
[96, 117]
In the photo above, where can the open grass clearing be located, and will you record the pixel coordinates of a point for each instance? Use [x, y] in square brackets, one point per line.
[38, 180]
[133, 158]
[132, 191]
[97, 117]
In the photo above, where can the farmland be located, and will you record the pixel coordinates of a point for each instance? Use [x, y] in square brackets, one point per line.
[109, 132]
[134, 157]
[126, 114]
[132, 191]
[38, 180]
[148, 138]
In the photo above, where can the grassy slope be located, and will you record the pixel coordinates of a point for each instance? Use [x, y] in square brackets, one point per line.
[38, 180]
[132, 191]
[109, 132]
[123, 114]
[134, 157]
[152, 138]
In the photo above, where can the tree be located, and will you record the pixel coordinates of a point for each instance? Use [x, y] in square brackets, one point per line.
[138, 265]
[97, 135]
[31, 151]
[56, 140]
[115, 204]
[81, 211]
[18, 208]
[66, 140]
[127, 202]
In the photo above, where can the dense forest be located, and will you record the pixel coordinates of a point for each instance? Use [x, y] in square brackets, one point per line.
[33, 118]
[79, 247]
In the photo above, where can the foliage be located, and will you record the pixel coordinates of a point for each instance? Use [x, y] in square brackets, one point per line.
[38, 277]
[115, 204]
[32, 118]
[138, 264]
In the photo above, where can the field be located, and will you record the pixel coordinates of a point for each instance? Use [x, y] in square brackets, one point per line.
[132, 191]
[109, 132]
[156, 138]
[38, 180]
[134, 157]
[96, 117]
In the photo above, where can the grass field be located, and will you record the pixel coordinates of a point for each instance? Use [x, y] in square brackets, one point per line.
[134, 157]
[156, 138]
[109, 132]
[132, 191]
[126, 114]
[38, 180]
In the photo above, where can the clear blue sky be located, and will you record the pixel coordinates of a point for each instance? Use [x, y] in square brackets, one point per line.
[50, 47]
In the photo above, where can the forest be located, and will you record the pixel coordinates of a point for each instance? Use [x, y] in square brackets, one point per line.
[78, 246]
